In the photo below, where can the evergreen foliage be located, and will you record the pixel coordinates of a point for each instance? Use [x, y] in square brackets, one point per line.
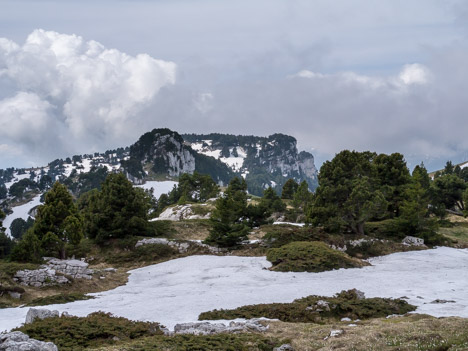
[5, 242]
[229, 219]
[116, 211]
[356, 187]
[194, 187]
[289, 189]
[19, 226]
[58, 222]
[18, 188]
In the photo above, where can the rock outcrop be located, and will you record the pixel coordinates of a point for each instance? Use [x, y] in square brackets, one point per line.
[207, 328]
[181, 246]
[54, 272]
[17, 341]
[181, 212]
[36, 313]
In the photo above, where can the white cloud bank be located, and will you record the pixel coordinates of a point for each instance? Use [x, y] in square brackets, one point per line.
[60, 93]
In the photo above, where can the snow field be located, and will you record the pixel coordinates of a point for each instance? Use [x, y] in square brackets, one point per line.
[179, 290]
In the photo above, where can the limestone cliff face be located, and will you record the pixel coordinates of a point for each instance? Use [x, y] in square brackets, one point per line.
[263, 162]
[162, 152]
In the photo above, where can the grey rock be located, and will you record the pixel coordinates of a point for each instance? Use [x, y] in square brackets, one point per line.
[35, 313]
[17, 341]
[334, 333]
[413, 241]
[284, 347]
[207, 328]
[442, 301]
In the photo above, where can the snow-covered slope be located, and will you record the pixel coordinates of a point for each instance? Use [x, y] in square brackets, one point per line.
[179, 290]
[20, 212]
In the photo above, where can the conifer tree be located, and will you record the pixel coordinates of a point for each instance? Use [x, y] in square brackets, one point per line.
[228, 220]
[117, 210]
[58, 222]
[289, 189]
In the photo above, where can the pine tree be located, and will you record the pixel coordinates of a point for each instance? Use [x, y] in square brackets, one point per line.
[117, 210]
[228, 220]
[58, 222]
[289, 189]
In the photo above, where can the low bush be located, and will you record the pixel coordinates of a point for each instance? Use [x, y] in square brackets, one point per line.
[317, 309]
[221, 342]
[59, 299]
[314, 256]
[8, 269]
[280, 235]
[75, 333]
[144, 253]
[389, 228]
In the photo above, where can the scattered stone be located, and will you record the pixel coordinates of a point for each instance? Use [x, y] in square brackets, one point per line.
[413, 241]
[47, 275]
[207, 328]
[17, 341]
[35, 313]
[110, 270]
[352, 325]
[394, 316]
[284, 347]
[346, 319]
[15, 295]
[442, 301]
[181, 246]
[334, 333]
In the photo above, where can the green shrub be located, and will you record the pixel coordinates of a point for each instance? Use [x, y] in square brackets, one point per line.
[389, 228]
[144, 253]
[305, 310]
[314, 256]
[221, 342]
[8, 269]
[59, 299]
[280, 235]
[161, 228]
[75, 333]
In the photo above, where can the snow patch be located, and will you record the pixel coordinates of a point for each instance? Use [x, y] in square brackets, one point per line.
[159, 188]
[20, 212]
[179, 290]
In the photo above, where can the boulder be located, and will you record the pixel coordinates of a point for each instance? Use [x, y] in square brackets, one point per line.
[412, 241]
[35, 313]
[17, 341]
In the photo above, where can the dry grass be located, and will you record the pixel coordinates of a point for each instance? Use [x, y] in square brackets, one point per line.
[458, 233]
[413, 332]
[195, 229]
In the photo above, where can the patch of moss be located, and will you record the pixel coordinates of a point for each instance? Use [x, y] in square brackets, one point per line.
[59, 299]
[75, 333]
[314, 256]
[310, 310]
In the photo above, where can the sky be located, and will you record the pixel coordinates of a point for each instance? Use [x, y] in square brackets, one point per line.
[84, 76]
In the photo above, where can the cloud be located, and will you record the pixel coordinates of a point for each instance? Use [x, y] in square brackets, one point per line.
[77, 93]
